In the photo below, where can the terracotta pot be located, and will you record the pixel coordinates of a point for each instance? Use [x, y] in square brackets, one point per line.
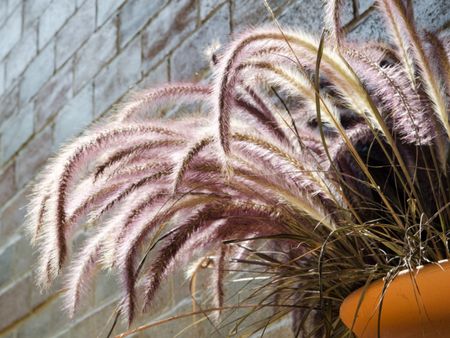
[416, 304]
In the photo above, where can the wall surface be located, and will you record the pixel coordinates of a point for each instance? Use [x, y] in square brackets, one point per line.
[63, 64]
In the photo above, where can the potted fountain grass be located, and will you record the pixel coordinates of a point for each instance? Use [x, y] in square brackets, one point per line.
[320, 162]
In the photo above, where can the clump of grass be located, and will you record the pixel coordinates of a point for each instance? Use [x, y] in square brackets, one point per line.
[333, 155]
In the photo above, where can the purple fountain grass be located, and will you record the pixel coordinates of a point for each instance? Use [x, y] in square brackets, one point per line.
[332, 154]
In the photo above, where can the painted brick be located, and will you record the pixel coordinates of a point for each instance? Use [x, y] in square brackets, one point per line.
[10, 32]
[6, 264]
[134, 15]
[63, 334]
[12, 5]
[10, 334]
[75, 116]
[156, 76]
[183, 327]
[427, 14]
[3, 11]
[187, 60]
[15, 301]
[307, 15]
[33, 9]
[12, 216]
[174, 291]
[96, 323]
[41, 296]
[167, 30]
[37, 73]
[75, 32]
[364, 5]
[207, 6]
[21, 55]
[44, 323]
[24, 255]
[16, 131]
[9, 103]
[32, 157]
[53, 95]
[370, 28]
[2, 77]
[431, 14]
[246, 13]
[53, 18]
[106, 287]
[99, 49]
[114, 80]
[105, 8]
[281, 328]
[346, 12]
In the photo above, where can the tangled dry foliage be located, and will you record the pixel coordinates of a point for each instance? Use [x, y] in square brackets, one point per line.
[333, 155]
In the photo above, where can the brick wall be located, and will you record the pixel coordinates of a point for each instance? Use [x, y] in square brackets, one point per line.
[64, 63]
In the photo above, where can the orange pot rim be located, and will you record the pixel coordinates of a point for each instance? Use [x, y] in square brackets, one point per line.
[416, 300]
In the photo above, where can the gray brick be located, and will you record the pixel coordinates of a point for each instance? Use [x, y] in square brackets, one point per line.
[158, 75]
[10, 32]
[134, 14]
[9, 103]
[2, 77]
[12, 5]
[53, 95]
[107, 287]
[6, 266]
[10, 334]
[346, 13]
[187, 60]
[167, 30]
[7, 184]
[371, 28]
[364, 5]
[16, 131]
[114, 80]
[76, 115]
[21, 55]
[12, 215]
[15, 302]
[182, 327]
[432, 14]
[281, 328]
[39, 296]
[33, 156]
[45, 323]
[105, 8]
[246, 13]
[24, 255]
[63, 334]
[75, 32]
[96, 323]
[207, 6]
[53, 18]
[37, 73]
[307, 15]
[3, 11]
[33, 9]
[98, 50]
[173, 292]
